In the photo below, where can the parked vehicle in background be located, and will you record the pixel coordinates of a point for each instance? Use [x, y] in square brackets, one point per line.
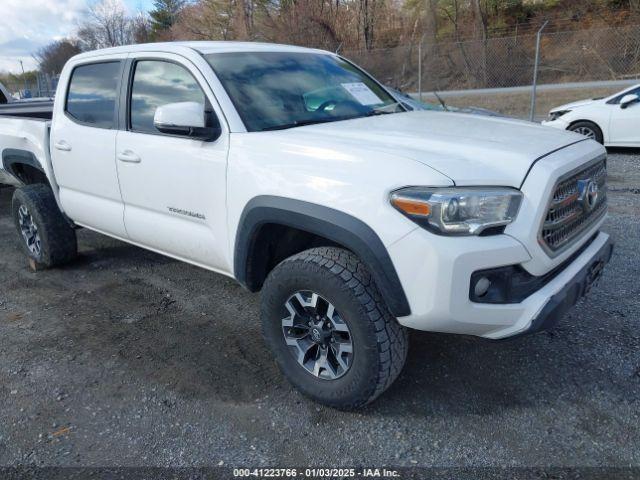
[296, 173]
[613, 121]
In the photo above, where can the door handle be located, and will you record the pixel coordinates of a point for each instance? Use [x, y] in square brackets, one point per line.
[62, 146]
[129, 157]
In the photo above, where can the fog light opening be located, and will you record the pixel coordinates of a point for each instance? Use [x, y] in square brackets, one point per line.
[482, 287]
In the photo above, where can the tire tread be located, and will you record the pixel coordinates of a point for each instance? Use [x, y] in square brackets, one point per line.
[58, 237]
[392, 338]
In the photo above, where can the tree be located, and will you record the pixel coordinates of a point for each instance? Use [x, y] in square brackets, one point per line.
[481, 20]
[106, 25]
[368, 21]
[313, 23]
[221, 20]
[165, 15]
[205, 20]
[141, 28]
[53, 56]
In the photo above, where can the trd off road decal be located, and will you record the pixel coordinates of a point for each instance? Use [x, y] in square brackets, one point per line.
[187, 213]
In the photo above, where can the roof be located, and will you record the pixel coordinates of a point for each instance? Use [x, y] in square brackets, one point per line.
[202, 47]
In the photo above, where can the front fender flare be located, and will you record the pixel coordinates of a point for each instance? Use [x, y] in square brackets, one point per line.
[339, 227]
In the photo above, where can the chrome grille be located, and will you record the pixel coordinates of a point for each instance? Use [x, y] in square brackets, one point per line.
[579, 200]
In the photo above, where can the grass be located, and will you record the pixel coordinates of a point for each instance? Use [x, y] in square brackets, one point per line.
[518, 104]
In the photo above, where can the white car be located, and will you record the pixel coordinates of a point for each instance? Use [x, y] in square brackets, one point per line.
[296, 173]
[613, 121]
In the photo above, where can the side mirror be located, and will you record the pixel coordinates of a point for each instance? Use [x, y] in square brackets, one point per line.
[189, 119]
[628, 100]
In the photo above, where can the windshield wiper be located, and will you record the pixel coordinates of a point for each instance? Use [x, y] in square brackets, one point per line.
[384, 110]
[444, 105]
[373, 113]
[300, 123]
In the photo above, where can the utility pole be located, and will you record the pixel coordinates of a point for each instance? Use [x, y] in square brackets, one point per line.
[420, 67]
[420, 70]
[532, 116]
[24, 78]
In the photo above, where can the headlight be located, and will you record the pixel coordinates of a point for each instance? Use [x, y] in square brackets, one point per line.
[458, 211]
[556, 115]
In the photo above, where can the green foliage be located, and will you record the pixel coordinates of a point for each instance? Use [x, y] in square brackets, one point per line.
[164, 15]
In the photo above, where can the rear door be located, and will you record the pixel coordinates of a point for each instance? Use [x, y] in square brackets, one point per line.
[83, 140]
[173, 187]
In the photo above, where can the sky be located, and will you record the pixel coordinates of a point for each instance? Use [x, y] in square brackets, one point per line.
[27, 25]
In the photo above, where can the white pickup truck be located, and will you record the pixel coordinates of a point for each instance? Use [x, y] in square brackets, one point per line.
[296, 173]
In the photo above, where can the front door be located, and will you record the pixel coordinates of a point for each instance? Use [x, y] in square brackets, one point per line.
[173, 187]
[625, 124]
[83, 143]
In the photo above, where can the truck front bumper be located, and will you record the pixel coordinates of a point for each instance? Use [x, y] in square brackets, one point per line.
[559, 123]
[574, 290]
[436, 274]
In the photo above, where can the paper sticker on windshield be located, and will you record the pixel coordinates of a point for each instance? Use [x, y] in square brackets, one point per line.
[362, 93]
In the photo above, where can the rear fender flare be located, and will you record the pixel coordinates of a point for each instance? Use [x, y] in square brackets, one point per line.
[12, 156]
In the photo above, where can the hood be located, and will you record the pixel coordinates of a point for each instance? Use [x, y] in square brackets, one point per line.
[469, 149]
[579, 103]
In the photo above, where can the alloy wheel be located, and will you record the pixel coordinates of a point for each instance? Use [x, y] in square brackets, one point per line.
[29, 231]
[587, 132]
[317, 336]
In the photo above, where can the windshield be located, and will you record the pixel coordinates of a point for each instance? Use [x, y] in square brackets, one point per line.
[275, 90]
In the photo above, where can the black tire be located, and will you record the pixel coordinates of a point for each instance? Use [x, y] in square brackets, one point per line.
[380, 343]
[585, 127]
[57, 238]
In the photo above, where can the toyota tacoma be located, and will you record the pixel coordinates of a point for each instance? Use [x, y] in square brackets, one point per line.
[298, 174]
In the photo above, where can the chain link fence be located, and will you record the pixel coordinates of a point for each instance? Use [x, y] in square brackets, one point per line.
[42, 85]
[497, 73]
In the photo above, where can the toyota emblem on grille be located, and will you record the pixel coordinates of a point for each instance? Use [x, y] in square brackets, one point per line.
[588, 194]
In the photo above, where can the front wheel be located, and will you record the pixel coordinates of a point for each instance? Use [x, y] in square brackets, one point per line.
[329, 329]
[589, 130]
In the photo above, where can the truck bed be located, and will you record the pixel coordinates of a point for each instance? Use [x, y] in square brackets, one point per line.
[24, 138]
[37, 108]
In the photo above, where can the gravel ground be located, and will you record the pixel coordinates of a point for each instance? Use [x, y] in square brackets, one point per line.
[127, 358]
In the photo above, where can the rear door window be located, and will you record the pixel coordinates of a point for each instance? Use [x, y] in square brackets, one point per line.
[93, 94]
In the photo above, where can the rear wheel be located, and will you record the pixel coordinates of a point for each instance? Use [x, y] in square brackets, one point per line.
[45, 235]
[589, 130]
[329, 329]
